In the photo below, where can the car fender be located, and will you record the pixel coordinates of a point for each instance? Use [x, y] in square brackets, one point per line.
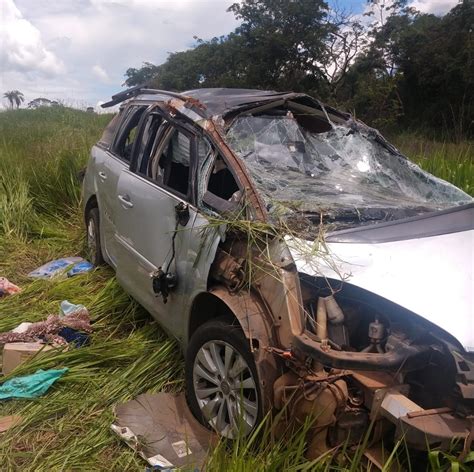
[254, 321]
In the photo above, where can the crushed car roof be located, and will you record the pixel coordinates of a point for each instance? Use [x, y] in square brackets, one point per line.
[220, 101]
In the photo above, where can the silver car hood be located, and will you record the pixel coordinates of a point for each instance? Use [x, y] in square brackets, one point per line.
[430, 274]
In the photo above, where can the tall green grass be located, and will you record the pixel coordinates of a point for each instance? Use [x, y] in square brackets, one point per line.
[453, 162]
[41, 152]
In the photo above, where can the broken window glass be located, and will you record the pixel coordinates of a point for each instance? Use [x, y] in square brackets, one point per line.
[344, 171]
[217, 187]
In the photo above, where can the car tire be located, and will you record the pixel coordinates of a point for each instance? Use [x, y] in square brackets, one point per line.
[222, 387]
[94, 247]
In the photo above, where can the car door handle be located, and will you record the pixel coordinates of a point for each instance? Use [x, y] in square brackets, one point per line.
[125, 201]
[102, 176]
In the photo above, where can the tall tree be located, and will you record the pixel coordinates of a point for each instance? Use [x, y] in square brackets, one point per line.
[14, 97]
[419, 69]
[279, 45]
[403, 68]
[143, 75]
[283, 41]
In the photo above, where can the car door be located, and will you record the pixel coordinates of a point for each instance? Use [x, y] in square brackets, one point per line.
[117, 159]
[149, 235]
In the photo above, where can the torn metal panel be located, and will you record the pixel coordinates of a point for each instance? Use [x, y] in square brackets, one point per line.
[256, 204]
[163, 431]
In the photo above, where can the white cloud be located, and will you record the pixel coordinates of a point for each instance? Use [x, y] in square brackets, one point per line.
[98, 40]
[22, 47]
[79, 50]
[436, 7]
[101, 73]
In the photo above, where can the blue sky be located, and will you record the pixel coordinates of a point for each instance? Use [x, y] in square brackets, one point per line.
[78, 50]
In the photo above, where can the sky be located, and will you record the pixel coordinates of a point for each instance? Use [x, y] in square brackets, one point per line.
[77, 51]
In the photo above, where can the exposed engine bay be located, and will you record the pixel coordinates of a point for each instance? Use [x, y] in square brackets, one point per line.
[364, 368]
[376, 369]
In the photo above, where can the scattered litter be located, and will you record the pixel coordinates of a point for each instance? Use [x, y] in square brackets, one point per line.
[15, 354]
[30, 386]
[7, 288]
[7, 422]
[75, 337]
[80, 268]
[68, 308]
[49, 330]
[163, 431]
[22, 327]
[55, 268]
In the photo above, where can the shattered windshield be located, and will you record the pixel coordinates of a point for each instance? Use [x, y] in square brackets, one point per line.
[347, 172]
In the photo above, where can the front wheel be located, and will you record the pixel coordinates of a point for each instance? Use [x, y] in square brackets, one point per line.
[94, 248]
[221, 379]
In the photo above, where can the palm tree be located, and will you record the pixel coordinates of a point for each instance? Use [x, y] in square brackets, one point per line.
[15, 97]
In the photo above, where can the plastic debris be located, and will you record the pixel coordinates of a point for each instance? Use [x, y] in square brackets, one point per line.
[22, 327]
[72, 336]
[80, 268]
[7, 288]
[49, 329]
[55, 268]
[67, 308]
[30, 386]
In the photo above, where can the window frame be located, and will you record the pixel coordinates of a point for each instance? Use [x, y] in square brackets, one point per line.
[128, 114]
[190, 132]
[210, 199]
[195, 133]
[108, 135]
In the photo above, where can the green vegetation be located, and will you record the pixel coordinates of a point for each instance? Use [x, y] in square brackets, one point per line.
[41, 152]
[397, 67]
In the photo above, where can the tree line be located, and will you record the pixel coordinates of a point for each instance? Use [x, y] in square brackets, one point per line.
[15, 98]
[392, 66]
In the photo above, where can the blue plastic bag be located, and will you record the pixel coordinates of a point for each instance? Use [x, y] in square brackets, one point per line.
[30, 386]
[68, 308]
[54, 268]
[80, 268]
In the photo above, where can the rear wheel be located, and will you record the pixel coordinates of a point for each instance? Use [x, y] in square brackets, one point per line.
[221, 378]
[94, 248]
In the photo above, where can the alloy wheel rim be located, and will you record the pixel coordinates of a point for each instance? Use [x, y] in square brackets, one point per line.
[91, 242]
[225, 389]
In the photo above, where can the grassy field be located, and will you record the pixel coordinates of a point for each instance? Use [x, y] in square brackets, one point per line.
[68, 428]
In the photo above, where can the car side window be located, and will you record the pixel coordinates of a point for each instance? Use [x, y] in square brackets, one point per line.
[127, 134]
[148, 141]
[217, 185]
[164, 155]
[171, 164]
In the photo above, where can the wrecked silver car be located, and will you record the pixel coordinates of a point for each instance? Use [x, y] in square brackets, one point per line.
[302, 262]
